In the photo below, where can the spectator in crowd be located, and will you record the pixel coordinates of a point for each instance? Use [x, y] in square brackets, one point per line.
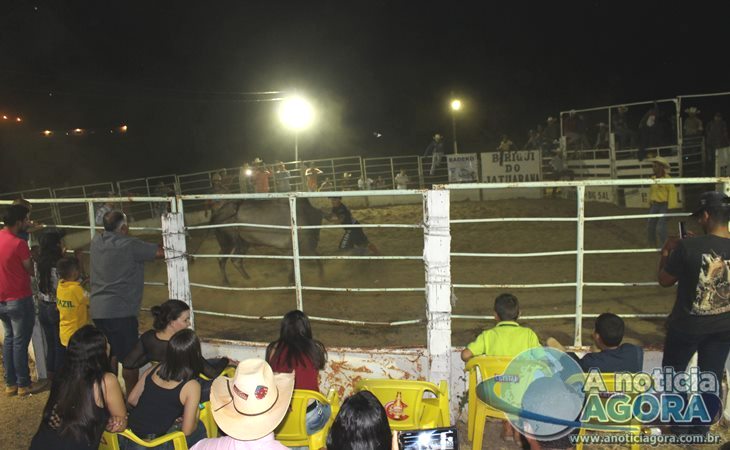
[103, 209]
[700, 319]
[73, 300]
[249, 407]
[261, 176]
[507, 338]
[216, 187]
[16, 301]
[612, 356]
[361, 424]
[168, 391]
[281, 177]
[33, 227]
[311, 175]
[364, 183]
[533, 140]
[85, 398]
[402, 180]
[662, 198]
[436, 150]
[551, 134]
[379, 182]
[651, 132]
[354, 238]
[601, 136]
[624, 134]
[51, 251]
[169, 318]
[117, 283]
[560, 170]
[570, 130]
[326, 185]
[296, 351]
[692, 124]
[347, 183]
[716, 137]
[506, 145]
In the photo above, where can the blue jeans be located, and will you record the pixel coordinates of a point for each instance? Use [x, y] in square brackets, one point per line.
[435, 162]
[18, 317]
[48, 318]
[657, 225]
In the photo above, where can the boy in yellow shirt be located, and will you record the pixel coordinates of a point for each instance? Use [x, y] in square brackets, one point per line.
[73, 300]
[507, 338]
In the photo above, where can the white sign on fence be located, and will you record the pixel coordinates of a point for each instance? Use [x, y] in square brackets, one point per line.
[511, 167]
[463, 168]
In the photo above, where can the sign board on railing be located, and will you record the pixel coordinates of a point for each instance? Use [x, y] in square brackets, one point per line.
[463, 168]
[512, 167]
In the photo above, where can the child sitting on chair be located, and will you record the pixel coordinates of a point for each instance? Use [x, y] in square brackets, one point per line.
[612, 355]
[507, 338]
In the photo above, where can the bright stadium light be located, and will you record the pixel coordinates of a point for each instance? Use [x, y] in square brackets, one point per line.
[297, 114]
[455, 107]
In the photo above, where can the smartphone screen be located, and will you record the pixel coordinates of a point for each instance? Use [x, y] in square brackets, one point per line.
[682, 230]
[433, 439]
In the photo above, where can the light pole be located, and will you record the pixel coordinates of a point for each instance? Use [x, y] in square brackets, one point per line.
[297, 114]
[455, 107]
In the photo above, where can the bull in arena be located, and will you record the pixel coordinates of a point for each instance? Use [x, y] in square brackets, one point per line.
[237, 240]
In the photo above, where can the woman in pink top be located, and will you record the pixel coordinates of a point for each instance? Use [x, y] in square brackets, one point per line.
[297, 351]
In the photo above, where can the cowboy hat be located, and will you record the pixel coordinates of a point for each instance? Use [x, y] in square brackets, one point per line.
[623, 108]
[659, 160]
[258, 160]
[252, 403]
[692, 110]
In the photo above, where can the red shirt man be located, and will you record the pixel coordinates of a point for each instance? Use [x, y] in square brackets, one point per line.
[14, 260]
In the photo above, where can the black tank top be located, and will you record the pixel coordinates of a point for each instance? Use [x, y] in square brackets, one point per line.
[156, 409]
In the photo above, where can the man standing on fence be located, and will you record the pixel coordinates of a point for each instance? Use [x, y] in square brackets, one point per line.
[662, 198]
[117, 283]
[436, 150]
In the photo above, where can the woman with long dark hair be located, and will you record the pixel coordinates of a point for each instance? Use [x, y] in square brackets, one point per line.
[361, 424]
[85, 397]
[169, 318]
[297, 351]
[51, 250]
[168, 391]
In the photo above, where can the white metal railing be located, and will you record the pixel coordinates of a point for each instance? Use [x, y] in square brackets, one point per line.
[580, 250]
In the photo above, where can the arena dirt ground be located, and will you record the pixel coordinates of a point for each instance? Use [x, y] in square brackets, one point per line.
[19, 417]
[514, 237]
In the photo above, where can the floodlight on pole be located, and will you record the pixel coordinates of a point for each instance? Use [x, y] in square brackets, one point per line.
[455, 107]
[297, 114]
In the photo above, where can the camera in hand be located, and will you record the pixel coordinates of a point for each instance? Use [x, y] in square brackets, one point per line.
[432, 439]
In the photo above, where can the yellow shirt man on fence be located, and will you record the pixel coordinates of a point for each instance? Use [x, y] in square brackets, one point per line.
[73, 301]
[662, 198]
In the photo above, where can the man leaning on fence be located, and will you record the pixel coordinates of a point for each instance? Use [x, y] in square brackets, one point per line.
[117, 284]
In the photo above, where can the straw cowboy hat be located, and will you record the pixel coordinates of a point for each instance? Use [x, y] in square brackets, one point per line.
[623, 109]
[258, 160]
[692, 110]
[252, 403]
[659, 160]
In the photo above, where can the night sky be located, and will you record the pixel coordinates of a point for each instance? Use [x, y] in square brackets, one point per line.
[178, 73]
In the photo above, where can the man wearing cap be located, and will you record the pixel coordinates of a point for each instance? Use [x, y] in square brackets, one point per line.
[700, 266]
[248, 407]
[436, 150]
[354, 238]
[662, 197]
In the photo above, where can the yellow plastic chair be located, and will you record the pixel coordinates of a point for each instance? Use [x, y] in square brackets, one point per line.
[419, 413]
[609, 380]
[481, 368]
[206, 417]
[292, 431]
[110, 441]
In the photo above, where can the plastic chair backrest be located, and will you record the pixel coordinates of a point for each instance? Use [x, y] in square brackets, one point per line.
[403, 401]
[206, 417]
[481, 368]
[110, 441]
[292, 431]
